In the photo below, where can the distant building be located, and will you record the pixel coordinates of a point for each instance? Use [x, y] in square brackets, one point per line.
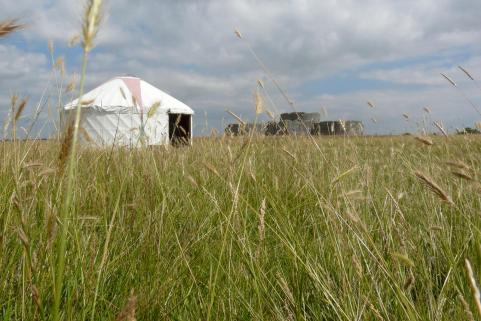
[244, 129]
[299, 123]
[348, 128]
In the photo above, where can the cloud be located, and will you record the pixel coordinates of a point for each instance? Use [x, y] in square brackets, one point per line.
[188, 48]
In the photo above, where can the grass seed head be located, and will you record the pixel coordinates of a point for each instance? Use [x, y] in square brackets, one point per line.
[285, 288]
[71, 85]
[51, 48]
[441, 128]
[86, 135]
[462, 174]
[20, 108]
[66, 145]
[409, 282]
[259, 103]
[458, 164]
[73, 41]
[403, 258]
[91, 23]
[192, 181]
[9, 26]
[60, 65]
[23, 238]
[262, 224]
[466, 72]
[36, 296]
[425, 140]
[153, 109]
[434, 187]
[467, 308]
[450, 80]
[128, 311]
[238, 34]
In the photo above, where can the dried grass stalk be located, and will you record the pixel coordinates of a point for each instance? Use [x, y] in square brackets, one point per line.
[236, 117]
[458, 164]
[86, 135]
[66, 146]
[128, 311]
[466, 72]
[450, 80]
[434, 187]
[441, 128]
[376, 312]
[408, 284]
[238, 34]
[262, 223]
[467, 309]
[70, 87]
[73, 41]
[9, 26]
[425, 140]
[270, 115]
[211, 168]
[474, 287]
[289, 153]
[462, 174]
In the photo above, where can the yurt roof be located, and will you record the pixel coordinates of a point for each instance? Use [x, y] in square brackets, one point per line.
[122, 94]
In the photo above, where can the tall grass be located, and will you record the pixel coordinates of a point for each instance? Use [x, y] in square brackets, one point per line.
[266, 231]
[264, 228]
[91, 22]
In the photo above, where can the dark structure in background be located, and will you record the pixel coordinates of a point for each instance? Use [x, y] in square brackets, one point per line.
[244, 129]
[299, 123]
[348, 128]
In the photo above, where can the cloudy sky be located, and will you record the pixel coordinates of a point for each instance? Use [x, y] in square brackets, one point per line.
[328, 55]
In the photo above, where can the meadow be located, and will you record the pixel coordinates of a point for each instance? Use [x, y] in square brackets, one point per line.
[236, 228]
[247, 228]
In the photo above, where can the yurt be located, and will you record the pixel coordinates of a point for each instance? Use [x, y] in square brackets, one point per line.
[127, 111]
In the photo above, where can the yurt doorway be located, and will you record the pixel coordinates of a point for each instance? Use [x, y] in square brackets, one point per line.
[180, 131]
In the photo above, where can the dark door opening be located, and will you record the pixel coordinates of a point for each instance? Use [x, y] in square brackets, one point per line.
[179, 129]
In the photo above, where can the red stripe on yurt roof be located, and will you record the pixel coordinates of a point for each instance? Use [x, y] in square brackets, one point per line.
[134, 86]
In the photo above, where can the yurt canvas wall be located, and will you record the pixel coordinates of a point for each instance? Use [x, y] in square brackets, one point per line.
[127, 111]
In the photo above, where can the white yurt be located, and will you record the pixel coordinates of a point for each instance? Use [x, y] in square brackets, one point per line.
[127, 111]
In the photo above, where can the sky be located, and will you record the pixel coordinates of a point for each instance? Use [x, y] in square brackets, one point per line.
[329, 56]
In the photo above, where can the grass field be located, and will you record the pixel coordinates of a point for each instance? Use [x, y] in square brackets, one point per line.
[241, 229]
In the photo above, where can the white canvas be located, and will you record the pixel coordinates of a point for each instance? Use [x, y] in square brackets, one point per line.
[119, 113]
